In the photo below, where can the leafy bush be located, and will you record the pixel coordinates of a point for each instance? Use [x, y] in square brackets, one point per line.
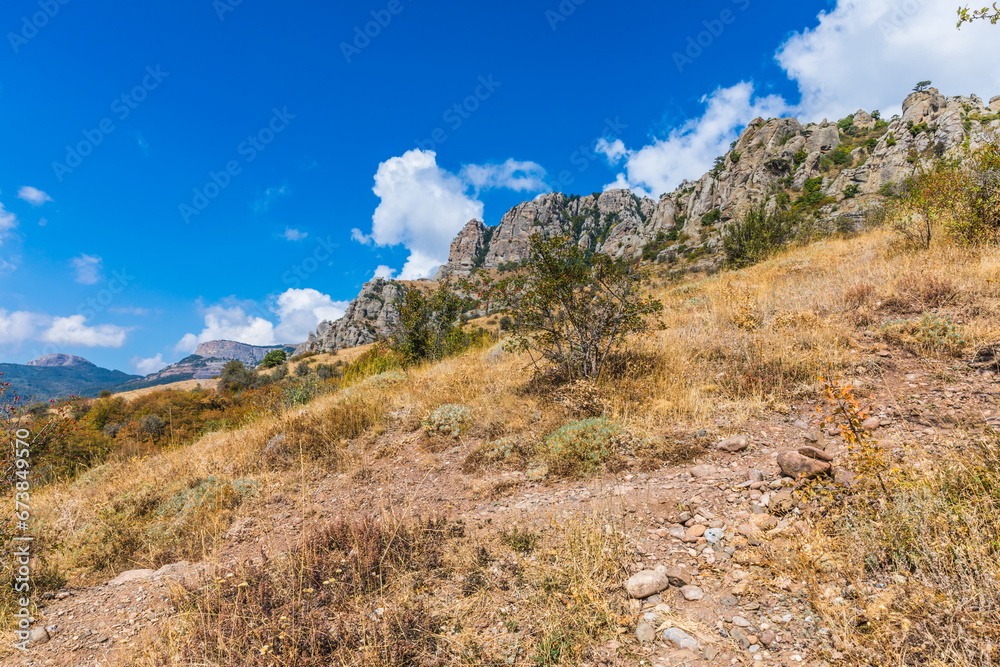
[429, 325]
[711, 217]
[757, 236]
[851, 191]
[961, 198]
[273, 358]
[581, 447]
[450, 419]
[236, 377]
[571, 306]
[931, 334]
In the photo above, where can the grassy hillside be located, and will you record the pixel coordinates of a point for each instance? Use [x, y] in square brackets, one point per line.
[470, 512]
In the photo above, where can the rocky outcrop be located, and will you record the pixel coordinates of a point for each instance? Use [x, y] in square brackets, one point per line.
[467, 250]
[843, 167]
[227, 350]
[207, 362]
[59, 361]
[370, 315]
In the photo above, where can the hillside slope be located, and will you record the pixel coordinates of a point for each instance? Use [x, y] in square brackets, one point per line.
[356, 531]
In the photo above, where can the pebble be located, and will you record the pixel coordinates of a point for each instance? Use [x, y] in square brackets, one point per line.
[714, 535]
[692, 593]
[768, 637]
[734, 444]
[871, 423]
[645, 632]
[693, 533]
[741, 622]
[680, 639]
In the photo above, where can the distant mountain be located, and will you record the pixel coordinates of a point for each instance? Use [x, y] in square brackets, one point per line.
[207, 362]
[59, 376]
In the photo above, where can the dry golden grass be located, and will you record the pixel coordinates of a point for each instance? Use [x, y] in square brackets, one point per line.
[183, 385]
[735, 346]
[380, 591]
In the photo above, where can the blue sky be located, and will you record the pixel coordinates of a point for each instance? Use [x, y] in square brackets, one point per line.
[180, 171]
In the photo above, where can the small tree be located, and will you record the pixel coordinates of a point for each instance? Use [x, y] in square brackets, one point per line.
[429, 324]
[965, 15]
[273, 358]
[757, 236]
[572, 307]
[921, 86]
[237, 377]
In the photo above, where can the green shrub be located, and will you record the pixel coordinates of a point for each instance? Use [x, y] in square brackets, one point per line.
[581, 447]
[449, 419]
[757, 236]
[930, 334]
[851, 191]
[711, 217]
[273, 358]
[572, 306]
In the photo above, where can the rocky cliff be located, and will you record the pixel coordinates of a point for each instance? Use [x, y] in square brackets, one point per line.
[832, 172]
[370, 314]
[207, 362]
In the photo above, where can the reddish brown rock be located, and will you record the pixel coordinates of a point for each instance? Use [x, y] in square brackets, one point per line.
[796, 465]
[814, 453]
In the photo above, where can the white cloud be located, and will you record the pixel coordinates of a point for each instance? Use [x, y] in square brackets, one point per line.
[291, 234]
[87, 269]
[33, 196]
[21, 326]
[383, 271]
[148, 366]
[73, 331]
[868, 54]
[512, 174]
[423, 207]
[301, 310]
[689, 150]
[267, 198]
[612, 150]
[296, 311]
[229, 322]
[8, 221]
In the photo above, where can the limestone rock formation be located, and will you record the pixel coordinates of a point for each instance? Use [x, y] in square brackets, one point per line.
[369, 315]
[848, 164]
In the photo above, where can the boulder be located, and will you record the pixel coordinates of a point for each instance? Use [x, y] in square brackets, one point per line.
[734, 444]
[796, 465]
[645, 583]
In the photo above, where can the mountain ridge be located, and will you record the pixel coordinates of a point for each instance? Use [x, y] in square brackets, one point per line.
[855, 160]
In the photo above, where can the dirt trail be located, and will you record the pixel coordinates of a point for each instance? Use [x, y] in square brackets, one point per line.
[738, 614]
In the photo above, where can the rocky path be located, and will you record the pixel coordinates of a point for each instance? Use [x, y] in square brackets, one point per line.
[701, 590]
